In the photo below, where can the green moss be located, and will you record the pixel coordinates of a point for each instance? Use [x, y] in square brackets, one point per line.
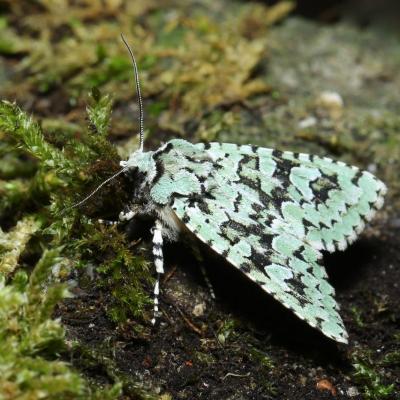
[122, 274]
[10, 43]
[22, 127]
[192, 56]
[13, 162]
[226, 330]
[12, 192]
[117, 68]
[13, 243]
[368, 376]
[357, 316]
[31, 341]
[64, 168]
[99, 112]
[205, 358]
[392, 358]
[261, 357]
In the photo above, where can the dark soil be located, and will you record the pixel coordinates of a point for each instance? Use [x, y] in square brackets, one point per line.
[264, 352]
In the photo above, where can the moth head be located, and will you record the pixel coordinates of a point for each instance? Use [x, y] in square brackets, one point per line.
[140, 161]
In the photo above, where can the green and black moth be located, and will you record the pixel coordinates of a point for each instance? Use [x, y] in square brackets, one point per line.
[269, 213]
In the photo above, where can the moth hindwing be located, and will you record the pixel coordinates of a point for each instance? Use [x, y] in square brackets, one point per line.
[269, 213]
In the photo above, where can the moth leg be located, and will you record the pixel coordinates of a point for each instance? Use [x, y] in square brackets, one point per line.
[200, 261]
[159, 264]
[127, 214]
[108, 222]
[208, 282]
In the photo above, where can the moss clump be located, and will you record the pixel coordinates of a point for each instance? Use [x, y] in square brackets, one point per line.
[36, 210]
[31, 341]
[121, 273]
[13, 243]
[368, 377]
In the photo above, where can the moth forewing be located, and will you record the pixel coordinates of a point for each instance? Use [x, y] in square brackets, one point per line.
[269, 213]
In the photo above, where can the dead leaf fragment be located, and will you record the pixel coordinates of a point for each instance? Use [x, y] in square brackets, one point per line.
[324, 384]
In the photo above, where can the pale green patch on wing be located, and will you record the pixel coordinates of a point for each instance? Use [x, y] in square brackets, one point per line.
[182, 183]
[291, 271]
[301, 177]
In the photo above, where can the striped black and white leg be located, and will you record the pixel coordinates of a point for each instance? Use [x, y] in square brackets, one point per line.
[108, 222]
[159, 263]
[126, 215]
[207, 281]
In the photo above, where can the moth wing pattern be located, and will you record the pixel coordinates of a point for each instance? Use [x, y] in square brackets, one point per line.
[270, 213]
[296, 280]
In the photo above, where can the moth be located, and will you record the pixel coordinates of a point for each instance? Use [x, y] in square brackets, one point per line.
[269, 213]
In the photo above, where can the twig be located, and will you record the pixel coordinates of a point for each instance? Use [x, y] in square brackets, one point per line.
[191, 325]
[236, 375]
[169, 275]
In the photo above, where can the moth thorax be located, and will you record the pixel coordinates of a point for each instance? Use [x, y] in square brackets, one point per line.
[142, 161]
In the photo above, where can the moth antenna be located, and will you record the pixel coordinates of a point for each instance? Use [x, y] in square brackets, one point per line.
[95, 190]
[138, 93]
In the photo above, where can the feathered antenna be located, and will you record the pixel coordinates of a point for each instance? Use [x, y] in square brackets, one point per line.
[138, 93]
